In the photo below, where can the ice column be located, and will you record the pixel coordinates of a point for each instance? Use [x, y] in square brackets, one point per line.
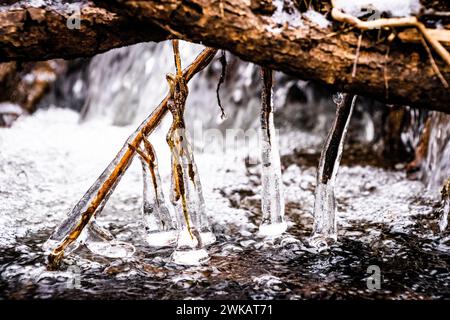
[272, 201]
[72, 228]
[325, 228]
[186, 190]
[160, 227]
[443, 222]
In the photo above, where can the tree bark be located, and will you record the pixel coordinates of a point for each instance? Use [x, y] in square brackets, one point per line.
[296, 46]
[41, 32]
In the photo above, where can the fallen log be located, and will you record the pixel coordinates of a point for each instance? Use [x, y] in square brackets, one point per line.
[295, 43]
[42, 30]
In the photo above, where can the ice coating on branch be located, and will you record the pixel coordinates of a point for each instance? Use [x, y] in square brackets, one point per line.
[325, 226]
[436, 167]
[443, 223]
[194, 231]
[272, 201]
[397, 8]
[187, 199]
[83, 212]
[78, 212]
[160, 228]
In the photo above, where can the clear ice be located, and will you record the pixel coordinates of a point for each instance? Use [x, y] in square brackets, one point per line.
[159, 225]
[272, 201]
[325, 226]
[82, 215]
[194, 231]
[72, 231]
[443, 222]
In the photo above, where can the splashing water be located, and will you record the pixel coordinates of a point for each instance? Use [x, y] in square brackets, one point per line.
[436, 167]
[133, 78]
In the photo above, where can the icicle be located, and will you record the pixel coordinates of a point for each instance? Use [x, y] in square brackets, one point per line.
[72, 230]
[158, 221]
[186, 190]
[272, 201]
[325, 228]
[443, 223]
[71, 233]
[100, 241]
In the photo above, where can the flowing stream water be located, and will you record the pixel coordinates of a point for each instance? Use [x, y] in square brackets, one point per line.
[49, 160]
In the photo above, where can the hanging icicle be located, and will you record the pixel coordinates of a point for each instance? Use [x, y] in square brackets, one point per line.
[272, 201]
[72, 230]
[186, 190]
[325, 227]
[160, 227]
[443, 222]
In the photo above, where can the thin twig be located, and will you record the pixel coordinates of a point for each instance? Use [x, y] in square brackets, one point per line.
[223, 74]
[332, 34]
[355, 64]
[433, 63]
[437, 46]
[101, 192]
[385, 72]
[177, 57]
[222, 11]
[392, 23]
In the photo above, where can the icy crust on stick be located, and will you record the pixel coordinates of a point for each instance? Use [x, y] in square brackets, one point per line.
[272, 200]
[394, 8]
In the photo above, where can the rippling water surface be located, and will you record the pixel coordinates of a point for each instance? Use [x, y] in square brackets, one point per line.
[48, 160]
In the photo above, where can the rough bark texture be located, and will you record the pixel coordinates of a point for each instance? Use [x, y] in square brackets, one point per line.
[30, 31]
[299, 48]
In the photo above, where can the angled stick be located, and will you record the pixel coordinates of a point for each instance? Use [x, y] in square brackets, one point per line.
[97, 195]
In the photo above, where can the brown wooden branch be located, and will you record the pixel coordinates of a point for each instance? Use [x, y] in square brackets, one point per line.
[108, 180]
[303, 49]
[300, 48]
[45, 32]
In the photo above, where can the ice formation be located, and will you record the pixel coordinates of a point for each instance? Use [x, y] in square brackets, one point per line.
[186, 189]
[72, 230]
[160, 227]
[272, 201]
[443, 222]
[325, 227]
